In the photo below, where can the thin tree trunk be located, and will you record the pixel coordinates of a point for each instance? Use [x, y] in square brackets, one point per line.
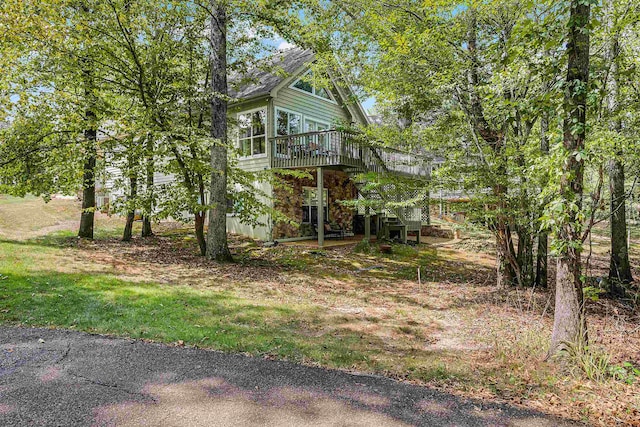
[150, 169]
[199, 229]
[495, 139]
[525, 255]
[504, 270]
[200, 216]
[217, 248]
[569, 327]
[90, 155]
[619, 266]
[542, 253]
[87, 216]
[146, 227]
[542, 263]
[131, 214]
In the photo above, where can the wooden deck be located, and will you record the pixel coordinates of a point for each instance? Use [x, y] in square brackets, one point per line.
[345, 149]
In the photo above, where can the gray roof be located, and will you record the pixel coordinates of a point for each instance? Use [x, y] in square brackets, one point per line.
[261, 80]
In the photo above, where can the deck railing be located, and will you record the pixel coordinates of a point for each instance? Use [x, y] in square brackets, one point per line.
[322, 148]
[403, 163]
[342, 148]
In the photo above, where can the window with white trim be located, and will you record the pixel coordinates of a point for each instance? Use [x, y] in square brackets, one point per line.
[288, 123]
[305, 84]
[314, 126]
[319, 142]
[252, 136]
[310, 205]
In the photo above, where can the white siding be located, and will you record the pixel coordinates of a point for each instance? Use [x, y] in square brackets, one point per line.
[262, 232]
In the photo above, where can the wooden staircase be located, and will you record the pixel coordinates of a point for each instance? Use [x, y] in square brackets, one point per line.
[350, 152]
[393, 218]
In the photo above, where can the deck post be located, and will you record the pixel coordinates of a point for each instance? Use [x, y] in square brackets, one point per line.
[367, 223]
[320, 182]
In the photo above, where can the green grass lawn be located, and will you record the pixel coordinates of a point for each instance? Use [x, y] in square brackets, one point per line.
[36, 296]
[36, 293]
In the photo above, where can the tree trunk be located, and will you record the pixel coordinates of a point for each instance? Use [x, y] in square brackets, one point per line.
[150, 169]
[217, 248]
[542, 254]
[146, 227]
[90, 154]
[131, 214]
[569, 326]
[620, 268]
[88, 185]
[525, 255]
[504, 277]
[504, 244]
[495, 139]
[200, 215]
[199, 229]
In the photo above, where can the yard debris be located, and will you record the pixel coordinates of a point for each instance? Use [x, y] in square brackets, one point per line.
[385, 249]
[373, 267]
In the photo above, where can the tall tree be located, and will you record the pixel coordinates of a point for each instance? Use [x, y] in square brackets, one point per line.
[620, 267]
[569, 326]
[475, 77]
[542, 253]
[217, 247]
[55, 101]
[149, 187]
[90, 146]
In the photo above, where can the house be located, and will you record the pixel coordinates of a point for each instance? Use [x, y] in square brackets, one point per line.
[286, 122]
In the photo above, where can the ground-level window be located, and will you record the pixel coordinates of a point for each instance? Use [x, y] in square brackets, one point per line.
[252, 136]
[288, 123]
[310, 205]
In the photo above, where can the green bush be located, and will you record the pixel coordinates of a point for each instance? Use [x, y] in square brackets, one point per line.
[363, 247]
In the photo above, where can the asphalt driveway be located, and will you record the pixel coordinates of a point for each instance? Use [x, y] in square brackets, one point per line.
[67, 378]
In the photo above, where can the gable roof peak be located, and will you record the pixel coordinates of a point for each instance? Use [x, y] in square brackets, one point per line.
[261, 80]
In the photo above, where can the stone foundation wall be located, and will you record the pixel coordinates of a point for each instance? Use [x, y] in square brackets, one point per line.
[339, 187]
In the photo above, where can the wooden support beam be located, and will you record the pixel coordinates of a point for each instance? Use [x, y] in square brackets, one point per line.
[320, 182]
[367, 224]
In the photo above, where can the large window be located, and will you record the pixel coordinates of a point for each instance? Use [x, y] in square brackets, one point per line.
[305, 84]
[319, 142]
[288, 123]
[313, 126]
[252, 136]
[310, 205]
